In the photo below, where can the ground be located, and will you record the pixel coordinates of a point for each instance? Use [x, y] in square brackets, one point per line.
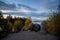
[28, 35]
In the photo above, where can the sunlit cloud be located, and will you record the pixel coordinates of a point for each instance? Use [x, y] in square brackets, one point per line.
[19, 10]
[6, 11]
[39, 18]
[24, 10]
[5, 16]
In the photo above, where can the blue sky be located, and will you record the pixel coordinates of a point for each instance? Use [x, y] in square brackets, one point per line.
[37, 4]
[43, 6]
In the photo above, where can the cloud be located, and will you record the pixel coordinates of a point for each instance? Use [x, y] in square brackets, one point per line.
[39, 18]
[19, 10]
[32, 17]
[5, 15]
[6, 11]
[23, 10]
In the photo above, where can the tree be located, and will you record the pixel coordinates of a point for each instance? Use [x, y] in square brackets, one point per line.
[9, 17]
[54, 23]
[59, 8]
[18, 25]
[27, 24]
[44, 26]
[10, 25]
[1, 16]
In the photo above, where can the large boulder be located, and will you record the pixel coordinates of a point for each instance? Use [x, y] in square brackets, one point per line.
[35, 27]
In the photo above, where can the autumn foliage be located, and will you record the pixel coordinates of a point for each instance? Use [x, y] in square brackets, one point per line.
[15, 24]
[28, 23]
[54, 23]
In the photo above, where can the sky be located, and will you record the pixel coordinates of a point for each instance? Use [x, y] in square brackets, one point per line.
[37, 4]
[42, 6]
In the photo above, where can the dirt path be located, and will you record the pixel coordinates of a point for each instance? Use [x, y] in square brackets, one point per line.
[29, 36]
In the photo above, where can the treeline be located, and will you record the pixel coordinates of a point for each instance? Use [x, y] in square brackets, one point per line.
[16, 23]
[9, 24]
